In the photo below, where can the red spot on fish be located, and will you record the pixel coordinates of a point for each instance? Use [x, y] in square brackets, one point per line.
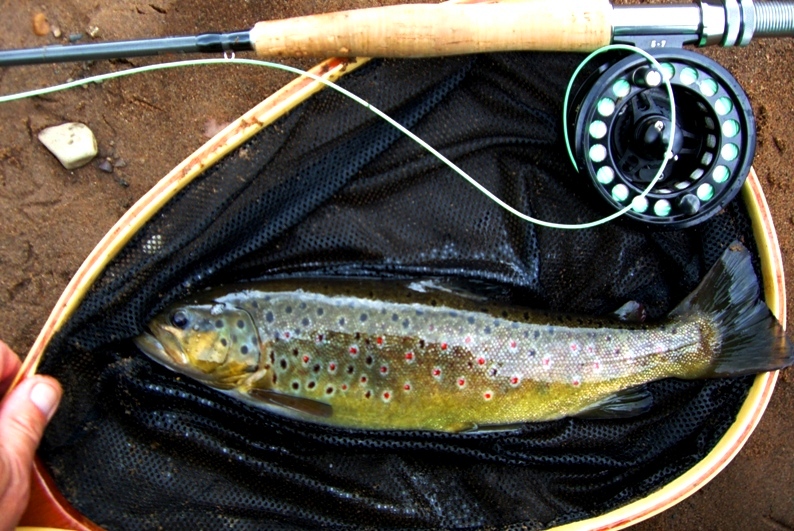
[444, 346]
[379, 341]
[332, 367]
[344, 387]
[409, 356]
[319, 338]
[461, 382]
[515, 380]
[353, 350]
[590, 349]
[487, 395]
[363, 379]
[386, 396]
[546, 361]
[384, 369]
[597, 366]
[574, 347]
[407, 387]
[467, 340]
[436, 372]
[368, 394]
[431, 327]
[576, 382]
[481, 361]
[286, 335]
[513, 344]
[306, 359]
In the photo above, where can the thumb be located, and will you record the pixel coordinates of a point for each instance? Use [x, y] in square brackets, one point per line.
[24, 412]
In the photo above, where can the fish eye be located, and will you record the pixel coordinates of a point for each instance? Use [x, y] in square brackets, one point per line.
[179, 319]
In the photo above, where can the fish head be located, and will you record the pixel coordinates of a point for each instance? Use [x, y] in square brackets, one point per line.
[216, 344]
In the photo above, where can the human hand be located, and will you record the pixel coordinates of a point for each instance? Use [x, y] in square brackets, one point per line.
[24, 413]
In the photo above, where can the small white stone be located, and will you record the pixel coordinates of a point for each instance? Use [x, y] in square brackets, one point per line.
[73, 144]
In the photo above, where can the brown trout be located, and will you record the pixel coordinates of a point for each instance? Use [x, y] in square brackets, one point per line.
[376, 355]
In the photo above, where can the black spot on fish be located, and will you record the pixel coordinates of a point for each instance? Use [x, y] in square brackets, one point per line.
[224, 342]
[295, 352]
[341, 321]
[358, 335]
[311, 385]
[320, 311]
[487, 330]
[505, 314]
[302, 306]
[316, 367]
[255, 304]
[295, 385]
[395, 317]
[272, 356]
[470, 320]
[406, 323]
[288, 309]
[368, 394]
[219, 323]
[234, 338]
[305, 321]
[350, 369]
[421, 343]
[363, 317]
[240, 324]
[244, 349]
[453, 313]
[269, 317]
[283, 363]
[550, 330]
[532, 353]
[275, 377]
[514, 325]
[369, 360]
[329, 390]
[494, 371]
[536, 334]
[433, 302]
[674, 330]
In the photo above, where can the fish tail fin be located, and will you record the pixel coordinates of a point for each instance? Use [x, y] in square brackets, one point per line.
[751, 339]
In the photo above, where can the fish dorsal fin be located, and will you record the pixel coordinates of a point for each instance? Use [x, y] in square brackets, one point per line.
[623, 404]
[294, 403]
[631, 312]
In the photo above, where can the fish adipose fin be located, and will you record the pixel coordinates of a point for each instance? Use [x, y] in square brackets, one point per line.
[631, 312]
[751, 338]
[294, 403]
[623, 404]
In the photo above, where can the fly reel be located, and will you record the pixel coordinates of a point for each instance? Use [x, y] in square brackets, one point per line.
[621, 130]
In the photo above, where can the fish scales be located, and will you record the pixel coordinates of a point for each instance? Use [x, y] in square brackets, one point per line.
[390, 355]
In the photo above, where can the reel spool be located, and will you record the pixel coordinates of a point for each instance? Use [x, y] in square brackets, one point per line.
[621, 126]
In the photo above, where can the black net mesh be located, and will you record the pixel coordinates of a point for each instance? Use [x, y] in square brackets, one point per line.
[332, 190]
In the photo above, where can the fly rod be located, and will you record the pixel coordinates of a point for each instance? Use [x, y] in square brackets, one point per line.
[422, 30]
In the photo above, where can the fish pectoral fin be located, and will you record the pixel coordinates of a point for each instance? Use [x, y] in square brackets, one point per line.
[631, 312]
[294, 403]
[623, 404]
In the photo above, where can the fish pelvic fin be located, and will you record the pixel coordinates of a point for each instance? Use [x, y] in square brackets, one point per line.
[751, 339]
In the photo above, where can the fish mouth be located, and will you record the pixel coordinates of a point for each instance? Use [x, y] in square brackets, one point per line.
[154, 348]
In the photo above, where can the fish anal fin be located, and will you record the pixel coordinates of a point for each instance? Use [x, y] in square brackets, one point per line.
[623, 404]
[295, 403]
[631, 312]
[476, 429]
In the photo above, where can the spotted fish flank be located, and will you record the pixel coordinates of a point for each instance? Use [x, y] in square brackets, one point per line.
[375, 355]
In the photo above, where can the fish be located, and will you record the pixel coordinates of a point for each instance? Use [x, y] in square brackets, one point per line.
[417, 355]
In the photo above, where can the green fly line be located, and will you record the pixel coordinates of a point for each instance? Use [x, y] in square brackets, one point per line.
[256, 62]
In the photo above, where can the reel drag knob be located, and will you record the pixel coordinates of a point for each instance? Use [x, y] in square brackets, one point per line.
[621, 128]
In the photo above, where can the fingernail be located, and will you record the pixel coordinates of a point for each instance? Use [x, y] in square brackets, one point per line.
[45, 398]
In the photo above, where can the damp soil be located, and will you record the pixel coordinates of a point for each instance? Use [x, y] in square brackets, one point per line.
[51, 218]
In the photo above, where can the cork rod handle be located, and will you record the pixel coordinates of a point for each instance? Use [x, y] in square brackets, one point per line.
[423, 30]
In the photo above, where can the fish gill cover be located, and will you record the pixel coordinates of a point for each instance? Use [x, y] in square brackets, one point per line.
[331, 190]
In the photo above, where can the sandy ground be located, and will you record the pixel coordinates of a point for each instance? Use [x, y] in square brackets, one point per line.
[145, 125]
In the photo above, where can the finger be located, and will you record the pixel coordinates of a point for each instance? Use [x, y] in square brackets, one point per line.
[9, 366]
[23, 415]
